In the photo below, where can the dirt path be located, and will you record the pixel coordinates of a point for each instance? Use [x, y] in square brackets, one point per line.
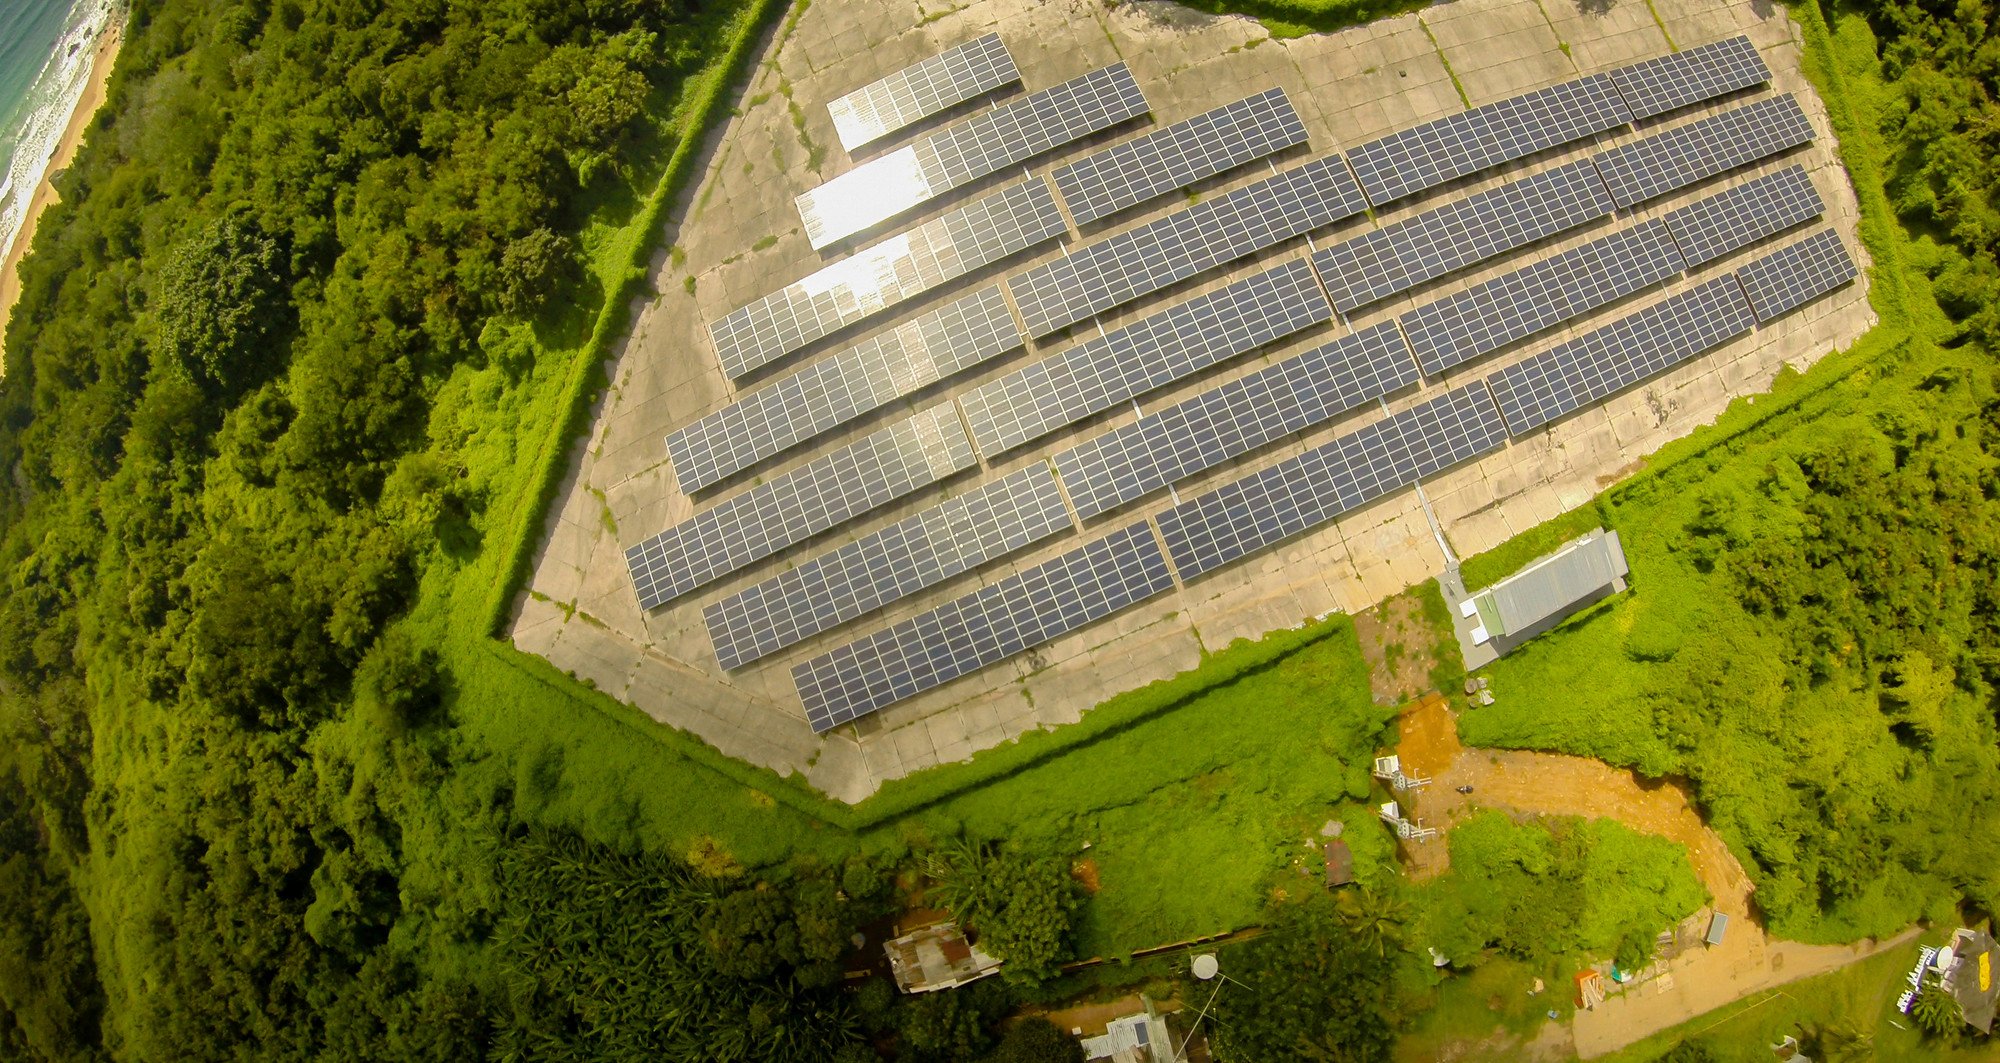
[1748, 960]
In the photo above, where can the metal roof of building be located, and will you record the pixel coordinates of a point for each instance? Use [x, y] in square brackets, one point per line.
[1553, 584]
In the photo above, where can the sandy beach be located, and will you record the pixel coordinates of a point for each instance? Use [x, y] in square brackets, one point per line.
[45, 193]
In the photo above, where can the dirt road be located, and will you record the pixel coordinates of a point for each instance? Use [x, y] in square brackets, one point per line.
[1748, 960]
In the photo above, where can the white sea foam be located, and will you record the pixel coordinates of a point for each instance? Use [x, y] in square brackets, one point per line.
[55, 93]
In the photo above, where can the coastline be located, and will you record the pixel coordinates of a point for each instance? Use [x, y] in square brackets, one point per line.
[106, 55]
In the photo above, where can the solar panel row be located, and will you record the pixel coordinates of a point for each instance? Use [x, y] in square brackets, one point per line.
[1671, 82]
[989, 625]
[1278, 502]
[936, 544]
[1234, 419]
[799, 504]
[916, 92]
[1486, 317]
[1431, 154]
[1398, 257]
[1145, 259]
[1177, 156]
[1739, 216]
[1686, 154]
[1796, 274]
[905, 265]
[1560, 381]
[1150, 353]
[832, 392]
[885, 187]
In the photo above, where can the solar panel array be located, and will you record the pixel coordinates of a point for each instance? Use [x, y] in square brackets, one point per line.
[1396, 258]
[832, 392]
[987, 626]
[1684, 155]
[799, 504]
[1150, 257]
[883, 188]
[1671, 82]
[1486, 317]
[1558, 382]
[1276, 503]
[1431, 154]
[954, 536]
[1796, 274]
[1150, 353]
[905, 265]
[1177, 156]
[1235, 419]
[1737, 217]
[916, 92]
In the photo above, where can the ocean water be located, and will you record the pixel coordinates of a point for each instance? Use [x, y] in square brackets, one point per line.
[46, 48]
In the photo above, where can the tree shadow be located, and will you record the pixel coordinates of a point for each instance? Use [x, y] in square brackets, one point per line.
[1595, 7]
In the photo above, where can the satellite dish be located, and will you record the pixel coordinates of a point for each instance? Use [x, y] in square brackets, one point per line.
[1205, 966]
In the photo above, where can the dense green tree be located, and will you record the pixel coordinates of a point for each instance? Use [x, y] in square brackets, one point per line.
[1307, 988]
[1022, 904]
[1937, 1014]
[1036, 1040]
[222, 306]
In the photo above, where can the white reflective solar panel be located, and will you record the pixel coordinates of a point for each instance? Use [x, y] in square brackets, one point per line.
[883, 188]
[835, 390]
[921, 90]
[903, 266]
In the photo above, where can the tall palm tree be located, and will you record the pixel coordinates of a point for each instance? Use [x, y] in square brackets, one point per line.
[1375, 918]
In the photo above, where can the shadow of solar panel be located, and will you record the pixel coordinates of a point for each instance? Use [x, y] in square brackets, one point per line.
[1232, 420]
[1139, 261]
[1488, 316]
[1684, 155]
[1740, 216]
[1396, 258]
[1177, 156]
[1560, 381]
[940, 542]
[1431, 154]
[921, 90]
[905, 265]
[1795, 275]
[1141, 357]
[1671, 82]
[985, 627]
[1274, 504]
[885, 187]
[796, 505]
[838, 389]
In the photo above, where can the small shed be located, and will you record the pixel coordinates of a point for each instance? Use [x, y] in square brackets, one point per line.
[1538, 596]
[935, 957]
[1718, 925]
[1339, 863]
[1971, 979]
